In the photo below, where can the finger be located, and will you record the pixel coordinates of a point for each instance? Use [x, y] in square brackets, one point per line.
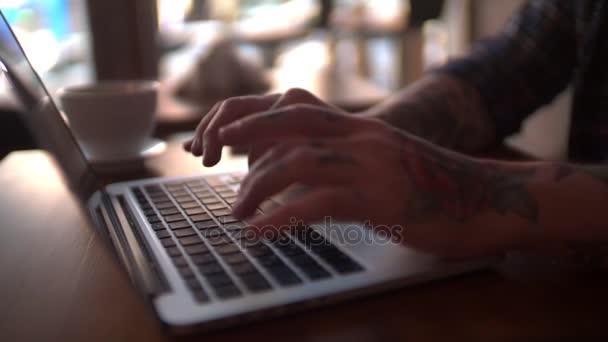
[359, 143]
[290, 97]
[197, 142]
[339, 203]
[257, 151]
[231, 110]
[187, 145]
[276, 152]
[298, 96]
[304, 165]
[287, 122]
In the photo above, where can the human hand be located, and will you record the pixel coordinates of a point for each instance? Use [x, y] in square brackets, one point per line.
[205, 141]
[363, 170]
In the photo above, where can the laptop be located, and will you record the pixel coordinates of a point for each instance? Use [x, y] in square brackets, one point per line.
[186, 254]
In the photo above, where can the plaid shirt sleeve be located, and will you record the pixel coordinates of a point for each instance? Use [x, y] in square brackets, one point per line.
[525, 66]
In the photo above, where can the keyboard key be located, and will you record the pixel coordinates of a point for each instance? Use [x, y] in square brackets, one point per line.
[210, 268]
[179, 225]
[222, 187]
[290, 249]
[228, 219]
[347, 268]
[174, 251]
[200, 218]
[172, 186]
[196, 249]
[201, 259]
[189, 205]
[342, 263]
[184, 232]
[219, 279]
[186, 272]
[167, 242]
[178, 192]
[243, 268]
[219, 240]
[212, 201]
[162, 234]
[302, 259]
[270, 260]
[235, 226]
[222, 212]
[236, 258]
[190, 240]
[256, 283]
[180, 261]
[193, 183]
[284, 275]
[170, 211]
[183, 199]
[149, 212]
[259, 250]
[153, 219]
[315, 271]
[165, 205]
[208, 198]
[158, 226]
[227, 292]
[227, 249]
[206, 224]
[231, 199]
[212, 232]
[195, 211]
[145, 206]
[174, 218]
[216, 206]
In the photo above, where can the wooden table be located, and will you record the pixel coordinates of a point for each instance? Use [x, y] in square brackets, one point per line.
[59, 282]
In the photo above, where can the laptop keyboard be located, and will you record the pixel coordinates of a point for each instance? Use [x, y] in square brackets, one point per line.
[193, 221]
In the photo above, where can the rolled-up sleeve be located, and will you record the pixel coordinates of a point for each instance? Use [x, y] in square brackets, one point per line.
[525, 66]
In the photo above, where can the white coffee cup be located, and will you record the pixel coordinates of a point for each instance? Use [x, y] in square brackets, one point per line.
[111, 120]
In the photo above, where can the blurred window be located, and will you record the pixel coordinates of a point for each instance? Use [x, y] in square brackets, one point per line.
[54, 35]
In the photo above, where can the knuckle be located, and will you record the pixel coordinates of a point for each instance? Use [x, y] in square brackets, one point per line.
[298, 94]
[300, 153]
[231, 103]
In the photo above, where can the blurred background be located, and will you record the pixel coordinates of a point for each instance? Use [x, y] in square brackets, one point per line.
[352, 53]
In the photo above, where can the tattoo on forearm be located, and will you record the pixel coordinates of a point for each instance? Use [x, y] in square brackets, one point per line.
[599, 173]
[448, 113]
[461, 189]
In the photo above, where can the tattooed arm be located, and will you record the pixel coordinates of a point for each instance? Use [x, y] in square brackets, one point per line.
[442, 109]
[431, 198]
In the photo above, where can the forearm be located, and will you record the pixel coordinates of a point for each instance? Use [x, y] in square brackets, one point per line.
[508, 205]
[443, 110]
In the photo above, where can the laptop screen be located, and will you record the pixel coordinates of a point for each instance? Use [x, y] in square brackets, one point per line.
[41, 114]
